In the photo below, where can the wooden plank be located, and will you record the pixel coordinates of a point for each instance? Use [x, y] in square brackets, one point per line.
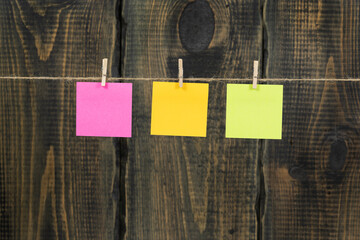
[311, 175]
[53, 185]
[304, 36]
[183, 187]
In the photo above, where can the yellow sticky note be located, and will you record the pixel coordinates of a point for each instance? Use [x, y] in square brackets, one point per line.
[179, 111]
[254, 113]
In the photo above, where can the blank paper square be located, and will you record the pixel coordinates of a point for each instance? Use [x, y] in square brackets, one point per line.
[179, 111]
[103, 111]
[254, 113]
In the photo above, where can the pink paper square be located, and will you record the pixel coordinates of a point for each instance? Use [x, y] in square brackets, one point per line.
[103, 111]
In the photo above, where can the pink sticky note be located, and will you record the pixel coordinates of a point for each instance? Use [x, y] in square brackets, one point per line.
[103, 111]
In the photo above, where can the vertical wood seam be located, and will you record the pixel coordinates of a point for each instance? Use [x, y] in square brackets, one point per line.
[261, 193]
[123, 144]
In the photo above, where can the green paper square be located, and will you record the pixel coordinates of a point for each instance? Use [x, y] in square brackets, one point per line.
[254, 113]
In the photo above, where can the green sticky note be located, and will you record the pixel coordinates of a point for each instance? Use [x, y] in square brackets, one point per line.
[254, 113]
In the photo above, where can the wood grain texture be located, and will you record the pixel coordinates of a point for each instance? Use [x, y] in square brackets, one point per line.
[303, 36]
[311, 175]
[152, 43]
[53, 185]
[183, 187]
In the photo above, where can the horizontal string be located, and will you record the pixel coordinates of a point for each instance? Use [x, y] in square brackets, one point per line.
[170, 79]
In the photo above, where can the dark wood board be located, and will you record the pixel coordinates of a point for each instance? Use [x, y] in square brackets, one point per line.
[153, 42]
[305, 37]
[54, 185]
[183, 187]
[311, 176]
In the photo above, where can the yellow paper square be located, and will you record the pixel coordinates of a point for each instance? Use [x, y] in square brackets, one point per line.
[254, 113]
[179, 111]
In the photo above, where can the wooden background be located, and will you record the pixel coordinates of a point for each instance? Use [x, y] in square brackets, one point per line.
[54, 185]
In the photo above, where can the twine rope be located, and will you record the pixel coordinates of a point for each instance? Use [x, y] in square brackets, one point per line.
[114, 79]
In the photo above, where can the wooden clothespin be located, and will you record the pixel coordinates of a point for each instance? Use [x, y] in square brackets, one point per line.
[181, 72]
[104, 71]
[255, 76]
